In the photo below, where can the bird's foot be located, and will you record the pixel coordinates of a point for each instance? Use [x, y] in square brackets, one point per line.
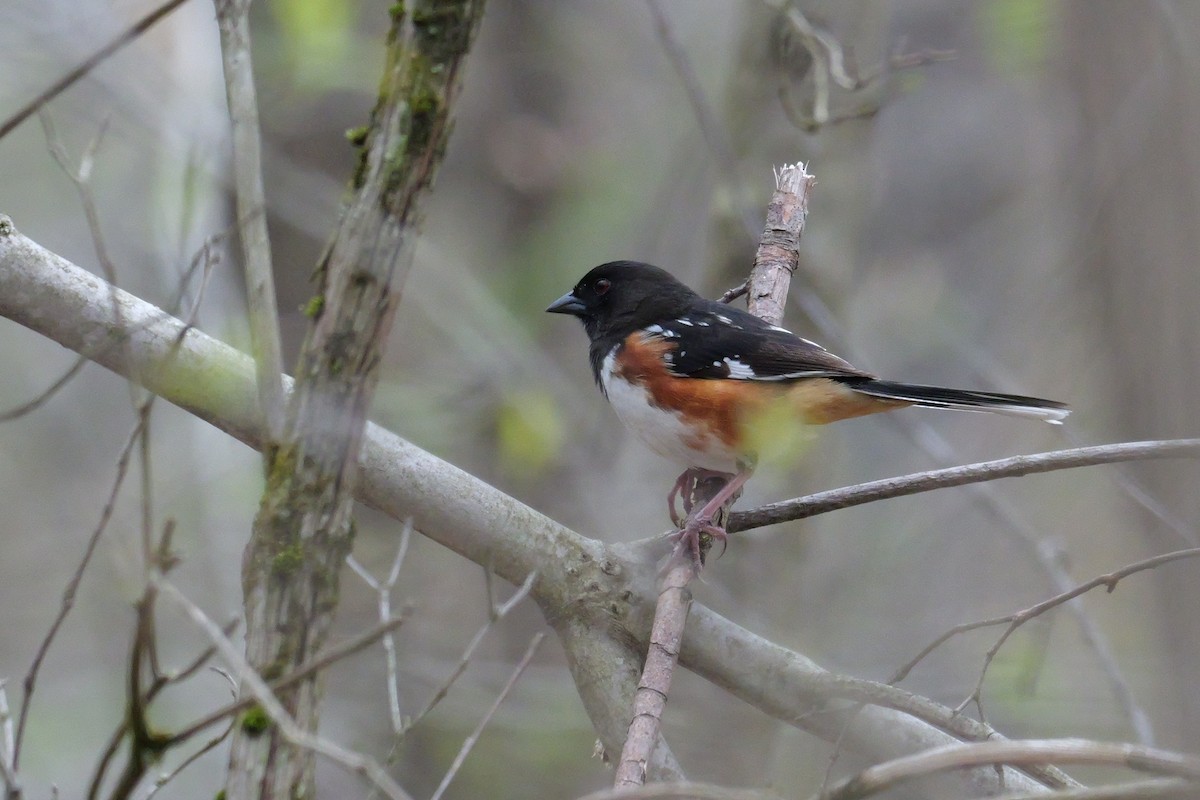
[689, 539]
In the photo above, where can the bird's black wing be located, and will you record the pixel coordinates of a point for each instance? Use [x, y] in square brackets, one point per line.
[716, 341]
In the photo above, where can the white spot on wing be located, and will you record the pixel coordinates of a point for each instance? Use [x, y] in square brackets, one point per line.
[739, 370]
[684, 321]
[659, 330]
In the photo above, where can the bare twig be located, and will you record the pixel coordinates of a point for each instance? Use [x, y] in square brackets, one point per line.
[735, 292]
[470, 741]
[1019, 618]
[233, 19]
[498, 612]
[209, 746]
[681, 790]
[90, 63]
[779, 248]
[68, 599]
[1152, 789]
[1187, 534]
[834, 499]
[247, 677]
[303, 672]
[650, 699]
[37, 402]
[1073, 751]
[384, 592]
[706, 119]
[828, 59]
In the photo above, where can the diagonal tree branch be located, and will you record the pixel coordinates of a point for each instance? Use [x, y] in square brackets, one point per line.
[597, 598]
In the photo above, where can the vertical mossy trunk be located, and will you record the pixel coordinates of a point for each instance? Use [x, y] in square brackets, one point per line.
[304, 526]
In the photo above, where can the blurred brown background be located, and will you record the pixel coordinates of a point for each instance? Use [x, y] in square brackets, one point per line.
[1021, 217]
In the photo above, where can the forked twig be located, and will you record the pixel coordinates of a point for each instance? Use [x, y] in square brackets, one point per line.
[469, 743]
[1017, 619]
[498, 613]
[384, 593]
[254, 683]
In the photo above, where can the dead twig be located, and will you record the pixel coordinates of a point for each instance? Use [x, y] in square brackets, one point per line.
[497, 613]
[287, 726]
[469, 743]
[88, 64]
[1017, 619]
[384, 592]
[1021, 752]
[834, 499]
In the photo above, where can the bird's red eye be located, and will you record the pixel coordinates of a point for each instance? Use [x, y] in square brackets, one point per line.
[603, 285]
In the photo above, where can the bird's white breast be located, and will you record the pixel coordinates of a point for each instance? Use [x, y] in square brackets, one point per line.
[663, 431]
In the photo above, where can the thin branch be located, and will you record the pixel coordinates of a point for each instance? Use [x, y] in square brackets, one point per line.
[470, 741]
[778, 252]
[1074, 751]
[323, 661]
[681, 790]
[1017, 619]
[706, 119]
[774, 262]
[90, 63]
[68, 599]
[208, 747]
[650, 699]
[1016, 466]
[384, 591]
[791, 688]
[41, 399]
[248, 678]
[498, 613]
[1152, 789]
[734, 293]
[233, 20]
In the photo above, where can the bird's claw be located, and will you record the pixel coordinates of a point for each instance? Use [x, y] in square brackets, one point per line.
[688, 538]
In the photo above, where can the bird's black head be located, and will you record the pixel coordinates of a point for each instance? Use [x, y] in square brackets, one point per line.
[617, 298]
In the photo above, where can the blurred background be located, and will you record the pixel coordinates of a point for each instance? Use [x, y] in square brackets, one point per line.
[1017, 212]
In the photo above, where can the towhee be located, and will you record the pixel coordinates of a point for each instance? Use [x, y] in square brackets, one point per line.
[686, 374]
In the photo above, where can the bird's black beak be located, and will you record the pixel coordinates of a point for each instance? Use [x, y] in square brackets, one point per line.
[567, 304]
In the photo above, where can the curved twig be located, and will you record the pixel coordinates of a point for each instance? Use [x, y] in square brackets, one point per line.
[1034, 751]
[1016, 466]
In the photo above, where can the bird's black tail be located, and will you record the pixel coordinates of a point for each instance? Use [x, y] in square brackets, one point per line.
[965, 400]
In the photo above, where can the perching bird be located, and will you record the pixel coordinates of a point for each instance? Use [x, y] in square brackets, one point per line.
[687, 374]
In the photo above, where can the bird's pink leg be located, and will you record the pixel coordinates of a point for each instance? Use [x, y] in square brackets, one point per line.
[685, 490]
[684, 486]
[688, 536]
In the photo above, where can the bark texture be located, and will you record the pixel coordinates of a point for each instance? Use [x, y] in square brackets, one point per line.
[304, 526]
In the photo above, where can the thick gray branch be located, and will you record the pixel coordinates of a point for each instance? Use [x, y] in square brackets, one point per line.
[608, 591]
